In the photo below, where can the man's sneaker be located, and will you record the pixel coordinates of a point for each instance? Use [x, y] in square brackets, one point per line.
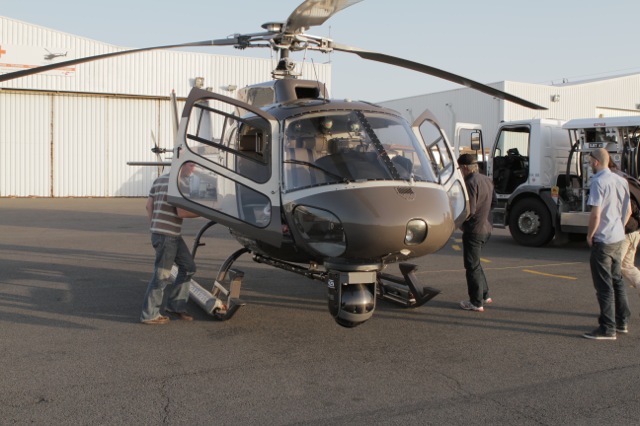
[487, 301]
[468, 306]
[160, 319]
[622, 329]
[598, 334]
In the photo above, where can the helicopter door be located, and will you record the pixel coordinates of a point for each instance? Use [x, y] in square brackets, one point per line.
[235, 181]
[444, 163]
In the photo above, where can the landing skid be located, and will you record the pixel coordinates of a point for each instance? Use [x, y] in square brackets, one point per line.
[220, 303]
[223, 300]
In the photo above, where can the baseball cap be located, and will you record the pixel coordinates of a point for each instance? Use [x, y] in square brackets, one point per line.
[467, 159]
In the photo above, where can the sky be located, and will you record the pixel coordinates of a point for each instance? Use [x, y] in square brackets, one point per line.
[544, 42]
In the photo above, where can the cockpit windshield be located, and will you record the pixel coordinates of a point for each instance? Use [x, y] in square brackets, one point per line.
[351, 146]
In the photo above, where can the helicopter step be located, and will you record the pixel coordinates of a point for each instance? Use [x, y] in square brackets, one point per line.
[405, 290]
[220, 303]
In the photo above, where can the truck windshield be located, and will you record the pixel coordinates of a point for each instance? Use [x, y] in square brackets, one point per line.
[351, 146]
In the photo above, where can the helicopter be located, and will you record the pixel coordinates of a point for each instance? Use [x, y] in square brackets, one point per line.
[50, 55]
[333, 190]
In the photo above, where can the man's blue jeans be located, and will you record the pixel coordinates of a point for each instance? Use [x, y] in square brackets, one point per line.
[476, 282]
[606, 263]
[169, 250]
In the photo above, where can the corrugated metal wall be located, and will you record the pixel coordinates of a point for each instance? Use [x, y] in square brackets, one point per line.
[68, 145]
[25, 150]
[614, 96]
[66, 136]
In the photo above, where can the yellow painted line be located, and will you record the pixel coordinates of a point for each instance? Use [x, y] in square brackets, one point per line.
[504, 268]
[456, 247]
[541, 265]
[549, 275]
[482, 259]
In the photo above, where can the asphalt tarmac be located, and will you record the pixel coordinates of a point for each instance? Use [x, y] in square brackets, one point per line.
[74, 272]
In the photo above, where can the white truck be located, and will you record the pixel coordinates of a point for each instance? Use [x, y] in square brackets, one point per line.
[540, 169]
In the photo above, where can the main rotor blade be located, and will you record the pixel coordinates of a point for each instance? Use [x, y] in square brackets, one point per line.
[37, 70]
[314, 13]
[425, 69]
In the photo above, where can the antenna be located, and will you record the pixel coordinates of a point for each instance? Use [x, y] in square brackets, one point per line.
[329, 54]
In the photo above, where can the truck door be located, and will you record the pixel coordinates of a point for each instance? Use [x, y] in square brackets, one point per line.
[510, 158]
[236, 178]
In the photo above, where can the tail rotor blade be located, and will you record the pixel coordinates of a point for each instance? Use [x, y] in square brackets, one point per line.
[175, 120]
[156, 149]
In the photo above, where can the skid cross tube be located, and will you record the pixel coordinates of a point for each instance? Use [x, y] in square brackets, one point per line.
[196, 242]
[405, 290]
[291, 267]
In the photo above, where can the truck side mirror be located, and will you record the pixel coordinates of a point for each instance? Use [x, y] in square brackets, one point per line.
[476, 138]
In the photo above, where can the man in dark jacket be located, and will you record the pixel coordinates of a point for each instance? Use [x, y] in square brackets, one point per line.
[476, 231]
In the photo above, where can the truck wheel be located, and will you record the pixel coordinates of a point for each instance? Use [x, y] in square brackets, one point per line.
[530, 223]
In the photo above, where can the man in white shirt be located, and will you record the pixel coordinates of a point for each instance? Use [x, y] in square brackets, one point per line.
[610, 209]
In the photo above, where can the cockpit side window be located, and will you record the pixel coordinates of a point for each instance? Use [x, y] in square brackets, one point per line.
[230, 150]
[240, 144]
[439, 154]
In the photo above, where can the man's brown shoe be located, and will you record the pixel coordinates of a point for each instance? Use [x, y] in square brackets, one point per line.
[182, 315]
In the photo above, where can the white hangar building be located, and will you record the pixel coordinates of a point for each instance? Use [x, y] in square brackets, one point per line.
[606, 97]
[70, 132]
